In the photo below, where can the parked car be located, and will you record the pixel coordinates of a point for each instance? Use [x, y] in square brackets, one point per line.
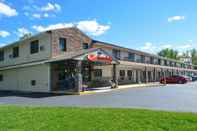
[194, 78]
[174, 80]
[189, 78]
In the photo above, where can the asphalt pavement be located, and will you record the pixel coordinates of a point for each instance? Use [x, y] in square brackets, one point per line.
[181, 98]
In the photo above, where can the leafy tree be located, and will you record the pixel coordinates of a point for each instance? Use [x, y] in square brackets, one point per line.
[193, 53]
[169, 53]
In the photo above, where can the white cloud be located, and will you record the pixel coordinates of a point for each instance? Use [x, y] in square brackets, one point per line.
[39, 16]
[51, 7]
[36, 15]
[176, 18]
[22, 31]
[93, 27]
[4, 33]
[185, 46]
[149, 47]
[90, 27]
[2, 45]
[154, 48]
[166, 46]
[46, 15]
[40, 28]
[7, 10]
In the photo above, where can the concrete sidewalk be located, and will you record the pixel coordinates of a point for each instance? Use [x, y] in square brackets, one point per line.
[107, 89]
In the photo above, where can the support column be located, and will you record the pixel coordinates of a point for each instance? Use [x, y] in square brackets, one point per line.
[155, 75]
[146, 75]
[78, 78]
[115, 77]
[139, 76]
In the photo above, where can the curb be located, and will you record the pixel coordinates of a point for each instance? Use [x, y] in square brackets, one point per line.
[121, 88]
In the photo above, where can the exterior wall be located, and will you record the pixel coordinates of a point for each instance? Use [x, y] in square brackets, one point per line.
[74, 37]
[137, 74]
[24, 51]
[124, 55]
[20, 79]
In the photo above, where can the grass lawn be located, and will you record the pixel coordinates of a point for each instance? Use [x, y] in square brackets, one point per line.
[92, 119]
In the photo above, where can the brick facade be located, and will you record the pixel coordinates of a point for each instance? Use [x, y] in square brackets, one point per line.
[75, 40]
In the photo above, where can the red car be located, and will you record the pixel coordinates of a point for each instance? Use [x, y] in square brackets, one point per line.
[174, 80]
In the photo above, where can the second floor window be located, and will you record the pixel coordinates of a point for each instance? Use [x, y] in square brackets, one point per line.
[151, 60]
[116, 53]
[85, 46]
[131, 56]
[159, 62]
[15, 52]
[62, 44]
[34, 47]
[1, 55]
[143, 59]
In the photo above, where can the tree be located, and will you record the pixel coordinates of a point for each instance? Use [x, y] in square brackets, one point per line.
[169, 53]
[25, 36]
[193, 53]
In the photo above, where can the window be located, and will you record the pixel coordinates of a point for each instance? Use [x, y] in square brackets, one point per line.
[152, 60]
[62, 44]
[159, 61]
[33, 82]
[138, 58]
[15, 52]
[34, 47]
[131, 56]
[116, 53]
[155, 61]
[1, 77]
[42, 48]
[129, 74]
[122, 72]
[165, 62]
[142, 59]
[61, 76]
[98, 72]
[1, 55]
[147, 60]
[85, 46]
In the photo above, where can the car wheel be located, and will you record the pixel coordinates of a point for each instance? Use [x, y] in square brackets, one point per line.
[180, 82]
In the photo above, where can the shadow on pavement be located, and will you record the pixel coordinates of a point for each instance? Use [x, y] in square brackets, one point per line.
[28, 94]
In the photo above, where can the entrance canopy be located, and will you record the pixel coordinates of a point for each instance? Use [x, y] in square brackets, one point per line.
[96, 55]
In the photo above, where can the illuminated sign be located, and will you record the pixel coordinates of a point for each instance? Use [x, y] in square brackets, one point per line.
[99, 57]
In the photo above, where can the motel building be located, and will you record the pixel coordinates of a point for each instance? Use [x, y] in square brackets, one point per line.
[67, 60]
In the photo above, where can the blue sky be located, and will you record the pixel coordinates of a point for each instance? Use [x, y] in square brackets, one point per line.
[147, 25]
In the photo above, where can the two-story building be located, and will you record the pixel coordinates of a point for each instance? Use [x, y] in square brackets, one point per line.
[67, 59]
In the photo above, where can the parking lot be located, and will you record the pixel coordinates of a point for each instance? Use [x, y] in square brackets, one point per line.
[170, 98]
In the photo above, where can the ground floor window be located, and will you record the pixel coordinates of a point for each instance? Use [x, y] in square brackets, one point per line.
[1, 77]
[33, 82]
[122, 74]
[98, 72]
[129, 74]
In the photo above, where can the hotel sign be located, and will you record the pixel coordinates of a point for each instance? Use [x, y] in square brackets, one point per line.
[99, 57]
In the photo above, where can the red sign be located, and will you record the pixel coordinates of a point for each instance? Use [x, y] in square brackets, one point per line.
[100, 58]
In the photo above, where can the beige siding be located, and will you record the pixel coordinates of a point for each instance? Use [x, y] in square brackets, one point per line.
[24, 51]
[20, 79]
